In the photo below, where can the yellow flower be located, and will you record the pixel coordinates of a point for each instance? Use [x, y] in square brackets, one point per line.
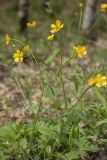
[81, 5]
[56, 27]
[51, 37]
[103, 7]
[31, 25]
[98, 80]
[80, 50]
[91, 81]
[18, 56]
[7, 39]
[27, 48]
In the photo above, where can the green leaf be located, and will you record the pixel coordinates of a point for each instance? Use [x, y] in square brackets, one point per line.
[99, 123]
[52, 56]
[23, 143]
[101, 98]
[48, 149]
[57, 104]
[48, 92]
[73, 155]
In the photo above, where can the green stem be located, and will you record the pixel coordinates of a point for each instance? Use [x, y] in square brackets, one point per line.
[62, 82]
[37, 114]
[65, 63]
[63, 87]
[36, 61]
[93, 26]
[80, 20]
[45, 64]
[23, 95]
[18, 41]
[40, 103]
[81, 96]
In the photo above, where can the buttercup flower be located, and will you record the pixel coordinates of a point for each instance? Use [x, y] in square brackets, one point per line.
[7, 39]
[103, 7]
[91, 81]
[80, 50]
[81, 5]
[18, 56]
[27, 48]
[99, 80]
[56, 27]
[51, 37]
[31, 25]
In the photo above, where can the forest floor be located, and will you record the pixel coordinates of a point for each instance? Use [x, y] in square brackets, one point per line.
[12, 98]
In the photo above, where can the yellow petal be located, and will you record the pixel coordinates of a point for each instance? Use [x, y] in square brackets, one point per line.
[7, 39]
[58, 23]
[53, 26]
[26, 48]
[91, 81]
[98, 85]
[31, 25]
[34, 23]
[21, 59]
[51, 37]
[62, 26]
[53, 31]
[104, 83]
[16, 59]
